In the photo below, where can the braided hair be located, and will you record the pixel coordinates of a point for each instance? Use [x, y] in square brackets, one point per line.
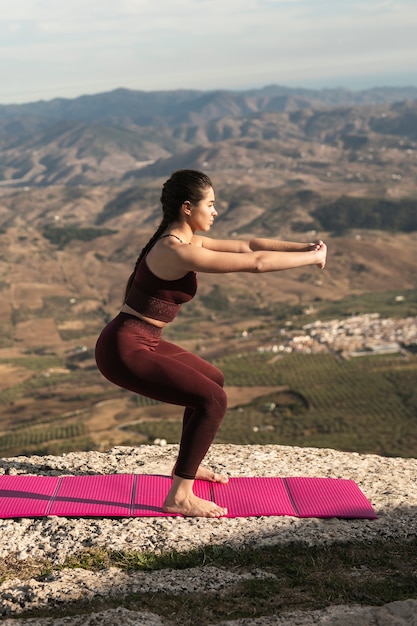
[183, 185]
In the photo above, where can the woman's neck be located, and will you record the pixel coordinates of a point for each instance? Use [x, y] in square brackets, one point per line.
[182, 232]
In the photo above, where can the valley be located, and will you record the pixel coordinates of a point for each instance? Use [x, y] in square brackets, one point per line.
[78, 200]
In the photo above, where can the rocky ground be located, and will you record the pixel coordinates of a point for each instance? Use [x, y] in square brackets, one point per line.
[389, 483]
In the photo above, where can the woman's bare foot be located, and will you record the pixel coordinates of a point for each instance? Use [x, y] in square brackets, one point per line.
[183, 501]
[192, 506]
[203, 473]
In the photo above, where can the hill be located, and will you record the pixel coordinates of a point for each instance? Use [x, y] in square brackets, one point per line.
[80, 196]
[106, 137]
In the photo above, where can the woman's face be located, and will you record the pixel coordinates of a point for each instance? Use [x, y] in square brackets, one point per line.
[203, 213]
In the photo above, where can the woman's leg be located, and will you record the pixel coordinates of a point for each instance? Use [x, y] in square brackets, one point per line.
[216, 376]
[165, 372]
[181, 498]
[203, 473]
[205, 408]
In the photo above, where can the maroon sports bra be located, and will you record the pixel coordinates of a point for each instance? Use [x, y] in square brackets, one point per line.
[157, 298]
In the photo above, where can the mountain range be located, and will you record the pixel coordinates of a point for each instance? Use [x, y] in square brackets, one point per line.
[124, 135]
[81, 179]
[80, 182]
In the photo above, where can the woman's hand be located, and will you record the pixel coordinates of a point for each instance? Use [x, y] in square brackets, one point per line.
[321, 248]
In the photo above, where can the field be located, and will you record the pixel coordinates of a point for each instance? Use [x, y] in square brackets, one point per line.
[51, 403]
[59, 287]
[365, 405]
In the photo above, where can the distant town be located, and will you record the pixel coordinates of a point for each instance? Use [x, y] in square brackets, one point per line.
[359, 335]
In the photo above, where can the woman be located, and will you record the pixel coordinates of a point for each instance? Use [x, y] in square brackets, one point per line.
[130, 351]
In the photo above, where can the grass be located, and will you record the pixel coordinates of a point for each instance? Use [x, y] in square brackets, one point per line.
[27, 438]
[35, 363]
[385, 303]
[345, 405]
[363, 405]
[298, 577]
[39, 381]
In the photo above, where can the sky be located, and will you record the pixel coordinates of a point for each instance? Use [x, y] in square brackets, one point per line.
[68, 48]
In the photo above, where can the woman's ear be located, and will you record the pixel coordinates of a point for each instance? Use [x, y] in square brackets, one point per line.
[186, 207]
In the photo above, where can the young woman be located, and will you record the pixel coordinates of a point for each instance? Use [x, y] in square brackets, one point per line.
[130, 351]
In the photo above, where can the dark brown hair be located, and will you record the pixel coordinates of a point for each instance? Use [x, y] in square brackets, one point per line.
[183, 185]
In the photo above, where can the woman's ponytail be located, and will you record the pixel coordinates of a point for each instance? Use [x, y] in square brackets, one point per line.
[162, 226]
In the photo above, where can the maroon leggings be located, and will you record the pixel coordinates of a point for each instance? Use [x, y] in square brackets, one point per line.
[131, 354]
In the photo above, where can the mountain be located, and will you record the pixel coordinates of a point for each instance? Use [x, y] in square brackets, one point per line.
[144, 108]
[79, 198]
[124, 134]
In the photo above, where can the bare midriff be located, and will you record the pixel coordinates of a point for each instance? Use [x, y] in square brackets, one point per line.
[149, 320]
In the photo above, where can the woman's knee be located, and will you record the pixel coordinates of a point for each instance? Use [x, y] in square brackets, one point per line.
[218, 402]
[217, 376]
[220, 378]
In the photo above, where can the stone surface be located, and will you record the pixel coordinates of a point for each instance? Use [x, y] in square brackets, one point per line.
[389, 483]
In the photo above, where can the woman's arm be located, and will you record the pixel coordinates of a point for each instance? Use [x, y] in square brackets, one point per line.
[252, 245]
[201, 259]
[284, 246]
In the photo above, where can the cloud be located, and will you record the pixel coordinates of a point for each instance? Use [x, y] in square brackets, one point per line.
[166, 44]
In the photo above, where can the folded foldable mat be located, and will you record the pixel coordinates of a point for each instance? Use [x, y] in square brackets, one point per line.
[139, 495]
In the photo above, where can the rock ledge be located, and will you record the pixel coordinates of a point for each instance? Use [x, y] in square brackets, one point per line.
[389, 483]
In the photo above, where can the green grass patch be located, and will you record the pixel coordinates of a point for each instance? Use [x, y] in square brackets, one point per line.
[39, 381]
[169, 430]
[27, 440]
[298, 577]
[358, 405]
[34, 362]
[365, 405]
[385, 303]
[6, 334]
[61, 236]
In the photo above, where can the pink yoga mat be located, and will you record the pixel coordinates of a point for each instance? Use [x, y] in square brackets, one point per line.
[327, 497]
[126, 495]
[26, 496]
[151, 491]
[85, 496]
[248, 497]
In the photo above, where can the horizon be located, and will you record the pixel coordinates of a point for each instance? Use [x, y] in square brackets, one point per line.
[309, 87]
[55, 50]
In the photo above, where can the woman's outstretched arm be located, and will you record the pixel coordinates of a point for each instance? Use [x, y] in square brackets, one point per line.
[252, 245]
[201, 259]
